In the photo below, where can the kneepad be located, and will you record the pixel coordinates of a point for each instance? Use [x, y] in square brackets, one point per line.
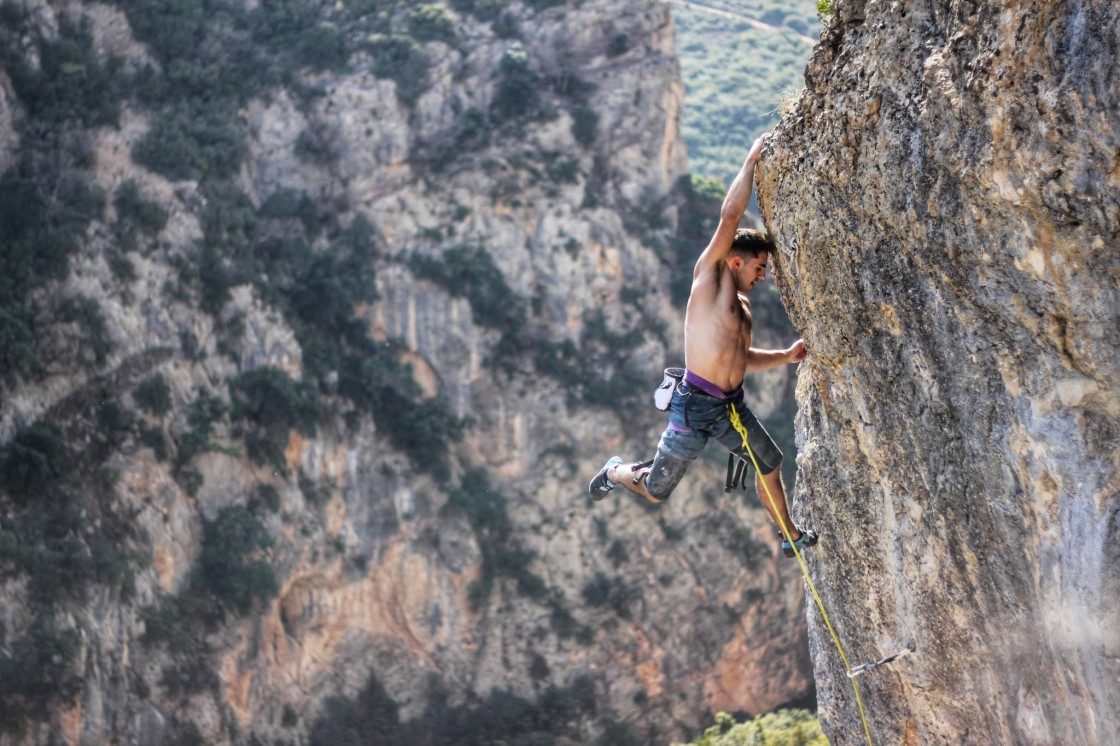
[665, 474]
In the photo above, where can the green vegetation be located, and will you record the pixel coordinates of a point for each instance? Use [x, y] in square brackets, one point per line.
[734, 72]
[204, 411]
[214, 55]
[585, 125]
[45, 204]
[618, 383]
[136, 216]
[318, 291]
[470, 272]
[154, 396]
[228, 568]
[781, 728]
[232, 575]
[427, 22]
[70, 85]
[192, 142]
[93, 342]
[483, 10]
[501, 718]
[518, 86]
[403, 60]
[35, 464]
[270, 405]
[49, 533]
[61, 532]
[37, 671]
[502, 553]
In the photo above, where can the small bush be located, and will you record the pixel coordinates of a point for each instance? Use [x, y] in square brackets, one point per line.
[272, 404]
[286, 204]
[518, 86]
[315, 146]
[585, 124]
[502, 554]
[154, 395]
[797, 727]
[137, 212]
[36, 461]
[69, 84]
[483, 10]
[403, 60]
[371, 717]
[228, 567]
[201, 416]
[93, 337]
[427, 22]
[36, 674]
[619, 45]
[470, 272]
[152, 437]
[192, 141]
[323, 47]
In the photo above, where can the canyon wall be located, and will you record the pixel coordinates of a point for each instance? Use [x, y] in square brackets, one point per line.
[303, 406]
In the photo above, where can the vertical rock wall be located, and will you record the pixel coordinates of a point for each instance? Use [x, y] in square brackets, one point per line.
[946, 197]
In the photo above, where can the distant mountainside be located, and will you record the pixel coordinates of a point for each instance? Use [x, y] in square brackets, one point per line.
[316, 318]
[739, 58]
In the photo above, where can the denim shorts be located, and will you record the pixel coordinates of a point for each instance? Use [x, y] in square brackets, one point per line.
[695, 416]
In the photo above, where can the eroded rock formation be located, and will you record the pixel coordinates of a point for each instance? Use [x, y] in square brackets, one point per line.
[380, 571]
[947, 201]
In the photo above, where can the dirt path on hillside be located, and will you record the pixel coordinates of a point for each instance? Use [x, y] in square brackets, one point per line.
[740, 17]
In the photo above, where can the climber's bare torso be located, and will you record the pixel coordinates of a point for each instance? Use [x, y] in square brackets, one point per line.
[717, 326]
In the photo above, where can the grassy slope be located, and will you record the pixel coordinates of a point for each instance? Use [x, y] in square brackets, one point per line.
[738, 57]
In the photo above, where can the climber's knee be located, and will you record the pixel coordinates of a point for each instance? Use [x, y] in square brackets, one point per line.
[665, 474]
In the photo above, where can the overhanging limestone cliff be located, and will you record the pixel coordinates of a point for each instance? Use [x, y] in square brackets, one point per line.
[946, 197]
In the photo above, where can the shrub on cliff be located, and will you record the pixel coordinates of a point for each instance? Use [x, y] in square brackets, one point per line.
[69, 84]
[154, 395]
[585, 125]
[270, 405]
[36, 673]
[782, 728]
[470, 272]
[427, 22]
[229, 566]
[403, 60]
[517, 88]
[35, 462]
[192, 142]
[149, 217]
[483, 10]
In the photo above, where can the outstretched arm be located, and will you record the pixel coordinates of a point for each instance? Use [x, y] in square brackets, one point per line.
[734, 205]
[765, 359]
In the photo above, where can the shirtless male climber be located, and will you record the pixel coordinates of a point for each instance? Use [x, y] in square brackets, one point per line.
[708, 402]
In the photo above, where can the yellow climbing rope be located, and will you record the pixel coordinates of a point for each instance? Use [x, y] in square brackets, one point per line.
[739, 428]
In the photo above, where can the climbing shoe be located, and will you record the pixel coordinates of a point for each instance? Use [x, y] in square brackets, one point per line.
[600, 486]
[808, 539]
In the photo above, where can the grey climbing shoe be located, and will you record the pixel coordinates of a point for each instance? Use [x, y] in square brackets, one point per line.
[600, 486]
[808, 539]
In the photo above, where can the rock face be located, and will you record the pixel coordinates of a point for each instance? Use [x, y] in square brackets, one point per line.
[947, 201]
[668, 614]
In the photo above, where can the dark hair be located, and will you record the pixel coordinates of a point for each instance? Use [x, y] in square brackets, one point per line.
[751, 242]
